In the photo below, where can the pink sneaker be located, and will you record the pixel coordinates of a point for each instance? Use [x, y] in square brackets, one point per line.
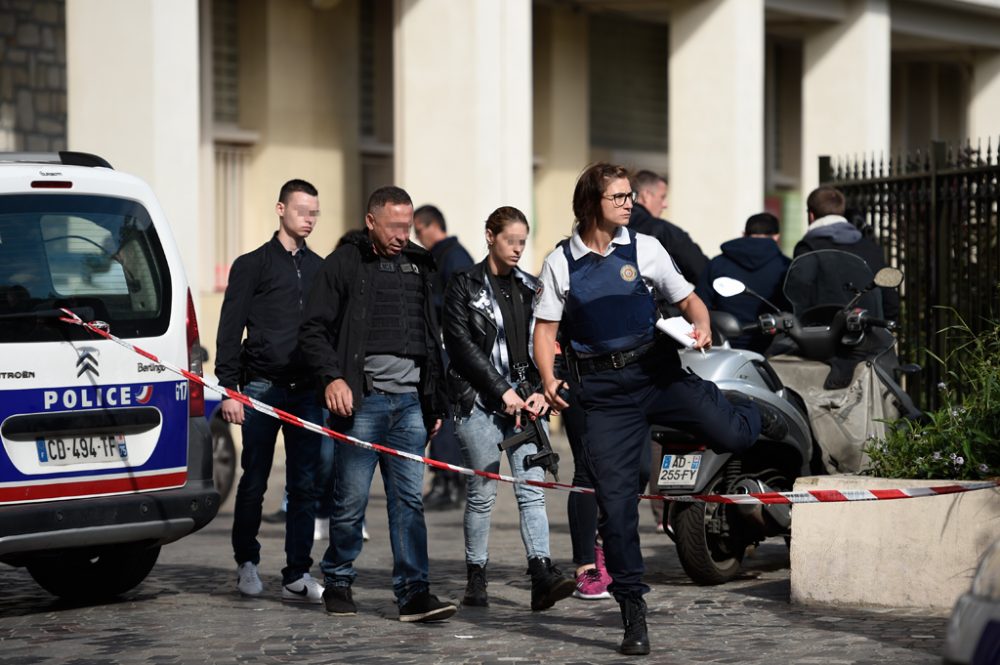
[599, 562]
[590, 586]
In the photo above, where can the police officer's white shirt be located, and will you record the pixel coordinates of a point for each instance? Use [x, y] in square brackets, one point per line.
[658, 272]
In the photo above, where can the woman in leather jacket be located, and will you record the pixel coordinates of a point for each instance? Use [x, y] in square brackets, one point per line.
[492, 385]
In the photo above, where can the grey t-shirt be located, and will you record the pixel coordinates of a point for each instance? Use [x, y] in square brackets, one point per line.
[392, 374]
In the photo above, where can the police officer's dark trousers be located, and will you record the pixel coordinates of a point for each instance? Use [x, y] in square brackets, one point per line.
[620, 404]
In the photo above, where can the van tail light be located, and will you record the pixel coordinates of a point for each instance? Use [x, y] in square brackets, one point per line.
[196, 392]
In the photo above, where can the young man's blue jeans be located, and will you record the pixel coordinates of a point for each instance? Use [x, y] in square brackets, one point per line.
[302, 450]
[393, 420]
[479, 434]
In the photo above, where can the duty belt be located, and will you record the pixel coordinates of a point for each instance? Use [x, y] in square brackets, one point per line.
[613, 360]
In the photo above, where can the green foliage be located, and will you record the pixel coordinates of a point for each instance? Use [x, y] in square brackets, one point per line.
[961, 439]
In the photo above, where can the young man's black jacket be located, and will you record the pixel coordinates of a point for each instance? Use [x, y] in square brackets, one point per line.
[469, 336]
[265, 295]
[338, 315]
[685, 252]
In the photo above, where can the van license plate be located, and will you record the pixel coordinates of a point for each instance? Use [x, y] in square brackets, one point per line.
[679, 470]
[81, 449]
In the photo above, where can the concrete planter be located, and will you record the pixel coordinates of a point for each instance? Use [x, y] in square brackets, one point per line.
[919, 552]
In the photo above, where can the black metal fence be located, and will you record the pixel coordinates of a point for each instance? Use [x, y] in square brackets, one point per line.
[935, 215]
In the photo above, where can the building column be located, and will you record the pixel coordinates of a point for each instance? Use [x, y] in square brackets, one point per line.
[984, 101]
[845, 88]
[716, 79]
[133, 98]
[462, 109]
[561, 122]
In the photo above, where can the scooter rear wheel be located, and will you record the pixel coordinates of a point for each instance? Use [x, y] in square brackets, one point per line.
[708, 554]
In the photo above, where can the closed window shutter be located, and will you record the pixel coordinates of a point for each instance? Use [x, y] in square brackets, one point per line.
[628, 84]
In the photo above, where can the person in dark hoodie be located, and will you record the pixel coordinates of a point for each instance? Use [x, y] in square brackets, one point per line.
[829, 229]
[757, 261]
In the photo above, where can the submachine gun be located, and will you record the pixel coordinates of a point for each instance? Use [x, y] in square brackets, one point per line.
[532, 430]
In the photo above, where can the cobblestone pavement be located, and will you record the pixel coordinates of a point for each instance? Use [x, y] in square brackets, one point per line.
[188, 611]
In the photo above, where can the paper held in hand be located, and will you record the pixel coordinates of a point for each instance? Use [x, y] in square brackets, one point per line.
[680, 329]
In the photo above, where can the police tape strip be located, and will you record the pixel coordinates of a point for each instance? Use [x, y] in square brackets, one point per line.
[808, 496]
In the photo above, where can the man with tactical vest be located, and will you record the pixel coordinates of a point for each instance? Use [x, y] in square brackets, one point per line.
[370, 334]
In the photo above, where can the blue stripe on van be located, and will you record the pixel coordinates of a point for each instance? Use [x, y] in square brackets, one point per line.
[170, 397]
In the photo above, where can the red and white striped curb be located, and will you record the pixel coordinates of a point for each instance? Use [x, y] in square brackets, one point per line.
[810, 496]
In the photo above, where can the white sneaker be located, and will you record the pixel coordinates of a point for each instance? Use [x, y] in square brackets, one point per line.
[248, 580]
[306, 589]
[364, 532]
[322, 529]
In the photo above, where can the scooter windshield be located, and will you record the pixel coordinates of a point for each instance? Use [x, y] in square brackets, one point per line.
[820, 283]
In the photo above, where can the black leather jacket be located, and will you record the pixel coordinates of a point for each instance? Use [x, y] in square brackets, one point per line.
[469, 335]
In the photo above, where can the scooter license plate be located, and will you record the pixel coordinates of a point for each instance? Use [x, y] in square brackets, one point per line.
[679, 471]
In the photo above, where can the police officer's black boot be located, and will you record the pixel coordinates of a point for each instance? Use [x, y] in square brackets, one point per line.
[475, 588]
[548, 584]
[636, 639]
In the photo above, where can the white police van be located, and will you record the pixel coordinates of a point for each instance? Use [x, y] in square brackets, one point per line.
[105, 455]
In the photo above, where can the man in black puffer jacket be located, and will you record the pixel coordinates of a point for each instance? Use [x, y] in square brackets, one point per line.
[829, 229]
[757, 261]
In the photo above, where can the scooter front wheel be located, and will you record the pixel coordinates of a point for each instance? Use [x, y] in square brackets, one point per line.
[708, 545]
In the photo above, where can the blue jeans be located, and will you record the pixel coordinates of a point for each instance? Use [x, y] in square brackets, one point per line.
[301, 465]
[394, 421]
[478, 435]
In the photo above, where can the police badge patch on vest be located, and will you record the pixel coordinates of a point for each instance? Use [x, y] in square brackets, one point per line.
[629, 272]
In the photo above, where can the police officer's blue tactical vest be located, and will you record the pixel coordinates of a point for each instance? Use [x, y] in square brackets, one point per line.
[608, 307]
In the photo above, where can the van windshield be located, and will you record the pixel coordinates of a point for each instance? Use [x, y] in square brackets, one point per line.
[97, 255]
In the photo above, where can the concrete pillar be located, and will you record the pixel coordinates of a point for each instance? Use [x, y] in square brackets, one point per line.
[133, 98]
[845, 88]
[984, 100]
[716, 111]
[462, 114]
[561, 122]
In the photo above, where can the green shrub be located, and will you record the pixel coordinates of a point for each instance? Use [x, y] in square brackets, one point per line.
[961, 439]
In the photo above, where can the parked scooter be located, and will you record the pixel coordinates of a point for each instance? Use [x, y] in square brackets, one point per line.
[712, 539]
[837, 353]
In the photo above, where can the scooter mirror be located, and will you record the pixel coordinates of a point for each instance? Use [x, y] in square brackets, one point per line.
[728, 287]
[888, 278]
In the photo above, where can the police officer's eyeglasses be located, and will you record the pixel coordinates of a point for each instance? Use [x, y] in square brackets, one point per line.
[619, 199]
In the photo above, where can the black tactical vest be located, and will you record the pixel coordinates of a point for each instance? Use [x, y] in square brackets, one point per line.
[397, 324]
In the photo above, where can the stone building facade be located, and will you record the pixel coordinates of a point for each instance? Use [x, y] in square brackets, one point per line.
[33, 75]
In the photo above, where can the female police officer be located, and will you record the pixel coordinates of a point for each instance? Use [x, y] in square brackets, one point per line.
[598, 283]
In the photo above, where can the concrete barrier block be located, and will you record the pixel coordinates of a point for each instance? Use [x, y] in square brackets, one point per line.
[919, 552]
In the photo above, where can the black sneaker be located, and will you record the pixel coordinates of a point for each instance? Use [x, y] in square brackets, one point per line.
[277, 517]
[424, 607]
[339, 601]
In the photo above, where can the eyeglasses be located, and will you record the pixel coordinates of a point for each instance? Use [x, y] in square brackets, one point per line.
[619, 199]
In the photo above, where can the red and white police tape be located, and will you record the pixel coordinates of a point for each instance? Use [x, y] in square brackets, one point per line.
[809, 496]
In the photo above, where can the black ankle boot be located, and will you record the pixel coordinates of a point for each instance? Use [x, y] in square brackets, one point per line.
[548, 584]
[475, 589]
[636, 639]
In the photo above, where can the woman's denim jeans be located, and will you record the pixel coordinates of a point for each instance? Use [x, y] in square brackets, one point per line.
[479, 434]
[397, 422]
[301, 461]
